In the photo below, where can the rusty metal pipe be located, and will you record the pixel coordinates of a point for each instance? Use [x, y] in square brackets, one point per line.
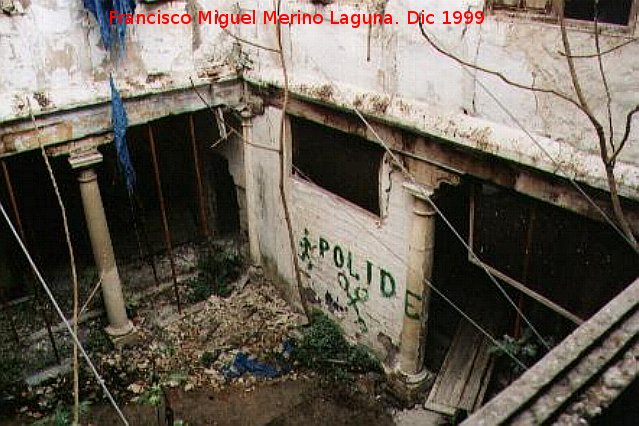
[16, 214]
[165, 223]
[201, 195]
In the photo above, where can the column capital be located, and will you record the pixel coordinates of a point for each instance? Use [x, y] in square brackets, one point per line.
[419, 191]
[421, 203]
[85, 159]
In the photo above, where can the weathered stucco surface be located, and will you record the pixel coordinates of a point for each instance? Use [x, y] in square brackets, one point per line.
[405, 80]
[52, 56]
[370, 302]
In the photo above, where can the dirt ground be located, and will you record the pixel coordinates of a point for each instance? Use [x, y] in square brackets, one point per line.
[301, 402]
[306, 401]
[188, 355]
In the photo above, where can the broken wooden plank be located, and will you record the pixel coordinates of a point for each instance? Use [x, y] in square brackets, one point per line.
[465, 373]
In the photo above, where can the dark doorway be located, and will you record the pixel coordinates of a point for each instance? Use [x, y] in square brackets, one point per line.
[227, 209]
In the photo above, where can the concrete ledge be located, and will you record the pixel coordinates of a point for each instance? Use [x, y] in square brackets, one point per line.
[585, 353]
[460, 130]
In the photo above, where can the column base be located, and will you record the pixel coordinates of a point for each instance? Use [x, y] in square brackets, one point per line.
[123, 336]
[411, 388]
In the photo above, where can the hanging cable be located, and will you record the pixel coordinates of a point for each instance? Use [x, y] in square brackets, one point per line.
[405, 171]
[428, 198]
[47, 290]
[558, 165]
[412, 179]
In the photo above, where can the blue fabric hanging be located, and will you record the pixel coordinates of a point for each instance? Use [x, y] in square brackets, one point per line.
[120, 123]
[122, 6]
[101, 9]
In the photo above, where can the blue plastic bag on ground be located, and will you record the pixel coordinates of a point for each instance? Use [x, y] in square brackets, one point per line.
[244, 364]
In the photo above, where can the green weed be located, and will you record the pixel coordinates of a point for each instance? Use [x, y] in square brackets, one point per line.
[218, 266]
[324, 349]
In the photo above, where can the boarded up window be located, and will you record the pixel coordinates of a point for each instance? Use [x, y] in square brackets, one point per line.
[339, 162]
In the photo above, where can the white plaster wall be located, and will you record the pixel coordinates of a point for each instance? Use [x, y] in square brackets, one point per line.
[362, 237]
[404, 69]
[317, 213]
[54, 48]
[406, 82]
[272, 231]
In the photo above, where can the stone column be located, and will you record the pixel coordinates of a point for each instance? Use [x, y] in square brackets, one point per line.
[119, 324]
[249, 186]
[420, 267]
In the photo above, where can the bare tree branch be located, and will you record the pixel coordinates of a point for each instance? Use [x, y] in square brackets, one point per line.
[495, 73]
[282, 186]
[626, 134]
[603, 147]
[605, 52]
[611, 130]
[581, 104]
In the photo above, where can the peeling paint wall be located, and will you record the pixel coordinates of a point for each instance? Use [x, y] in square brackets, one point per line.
[401, 80]
[352, 261]
[52, 54]
[414, 85]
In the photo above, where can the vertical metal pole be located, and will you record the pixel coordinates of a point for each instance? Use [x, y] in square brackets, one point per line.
[165, 223]
[16, 214]
[201, 195]
[532, 215]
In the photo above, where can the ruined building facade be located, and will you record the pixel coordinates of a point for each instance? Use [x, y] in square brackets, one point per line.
[377, 123]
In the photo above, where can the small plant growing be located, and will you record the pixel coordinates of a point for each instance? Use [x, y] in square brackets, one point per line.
[132, 307]
[152, 396]
[526, 349]
[208, 358]
[324, 349]
[218, 266]
[62, 415]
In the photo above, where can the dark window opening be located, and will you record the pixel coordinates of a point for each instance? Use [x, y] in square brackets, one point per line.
[342, 163]
[609, 11]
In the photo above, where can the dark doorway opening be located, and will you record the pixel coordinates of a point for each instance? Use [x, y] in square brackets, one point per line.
[227, 209]
[576, 262]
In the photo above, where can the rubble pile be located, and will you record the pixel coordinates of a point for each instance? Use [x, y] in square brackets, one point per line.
[193, 349]
[189, 350]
